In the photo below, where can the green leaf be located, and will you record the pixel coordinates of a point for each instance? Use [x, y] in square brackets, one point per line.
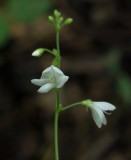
[28, 10]
[4, 31]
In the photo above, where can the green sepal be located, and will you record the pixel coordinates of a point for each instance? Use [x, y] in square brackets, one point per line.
[87, 103]
[55, 61]
[55, 52]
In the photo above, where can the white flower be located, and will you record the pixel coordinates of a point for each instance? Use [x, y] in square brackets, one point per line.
[98, 109]
[52, 77]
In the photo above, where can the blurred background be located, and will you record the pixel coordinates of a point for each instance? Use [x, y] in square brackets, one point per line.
[96, 55]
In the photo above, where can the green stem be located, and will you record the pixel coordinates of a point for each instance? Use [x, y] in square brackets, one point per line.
[57, 109]
[49, 51]
[56, 126]
[70, 106]
[58, 47]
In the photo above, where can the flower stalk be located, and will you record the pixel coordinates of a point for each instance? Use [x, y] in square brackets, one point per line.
[53, 78]
[56, 118]
[58, 47]
[71, 106]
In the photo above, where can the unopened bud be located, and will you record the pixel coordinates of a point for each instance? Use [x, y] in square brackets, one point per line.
[57, 13]
[68, 21]
[61, 19]
[38, 52]
[51, 19]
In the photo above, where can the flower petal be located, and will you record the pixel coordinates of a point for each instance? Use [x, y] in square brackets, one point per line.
[58, 74]
[104, 121]
[46, 88]
[52, 72]
[61, 81]
[105, 106]
[98, 116]
[47, 73]
[56, 70]
[38, 82]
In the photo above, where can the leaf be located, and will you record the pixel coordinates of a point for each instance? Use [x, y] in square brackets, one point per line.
[28, 10]
[4, 31]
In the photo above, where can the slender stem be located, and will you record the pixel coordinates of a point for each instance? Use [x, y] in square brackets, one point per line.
[57, 109]
[49, 51]
[70, 106]
[56, 126]
[58, 46]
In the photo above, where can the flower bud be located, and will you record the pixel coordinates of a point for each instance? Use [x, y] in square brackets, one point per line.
[60, 19]
[68, 21]
[38, 52]
[51, 19]
[57, 13]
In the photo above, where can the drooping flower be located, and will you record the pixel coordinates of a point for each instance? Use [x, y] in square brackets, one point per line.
[98, 109]
[51, 78]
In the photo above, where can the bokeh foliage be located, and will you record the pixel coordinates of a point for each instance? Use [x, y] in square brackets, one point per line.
[20, 11]
[27, 11]
[4, 31]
